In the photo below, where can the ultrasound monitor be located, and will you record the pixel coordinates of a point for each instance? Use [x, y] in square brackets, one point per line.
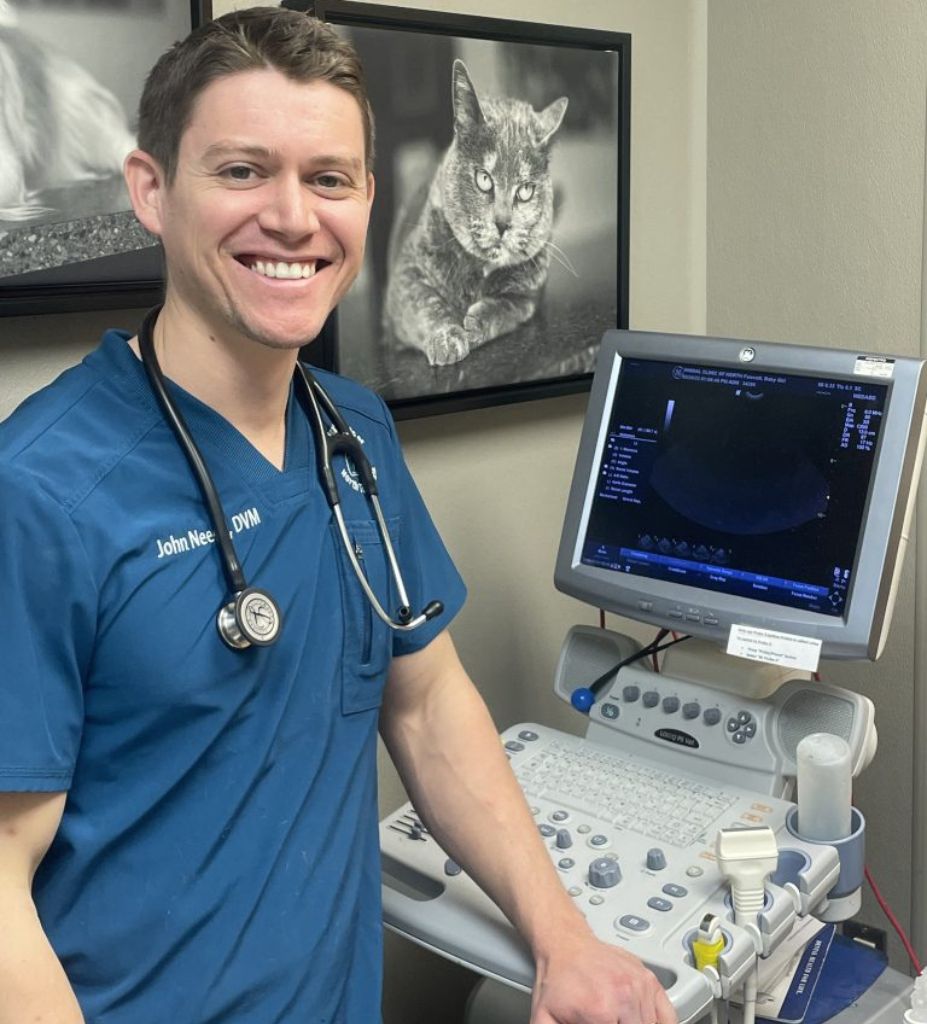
[724, 483]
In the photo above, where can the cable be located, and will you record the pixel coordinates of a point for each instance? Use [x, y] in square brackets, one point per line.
[895, 923]
[583, 697]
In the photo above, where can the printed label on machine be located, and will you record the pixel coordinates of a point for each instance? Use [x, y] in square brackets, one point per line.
[874, 366]
[774, 648]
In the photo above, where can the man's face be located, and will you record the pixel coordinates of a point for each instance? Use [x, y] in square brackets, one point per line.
[264, 224]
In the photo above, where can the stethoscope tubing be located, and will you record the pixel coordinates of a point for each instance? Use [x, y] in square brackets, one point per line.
[343, 441]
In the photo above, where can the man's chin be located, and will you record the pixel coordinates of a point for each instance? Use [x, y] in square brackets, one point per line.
[279, 337]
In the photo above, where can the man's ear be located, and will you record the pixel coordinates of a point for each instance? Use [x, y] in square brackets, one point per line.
[371, 188]
[146, 183]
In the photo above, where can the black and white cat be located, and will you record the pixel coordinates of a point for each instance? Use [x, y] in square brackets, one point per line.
[469, 255]
[58, 125]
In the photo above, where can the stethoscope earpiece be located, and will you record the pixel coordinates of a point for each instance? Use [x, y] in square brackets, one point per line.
[251, 619]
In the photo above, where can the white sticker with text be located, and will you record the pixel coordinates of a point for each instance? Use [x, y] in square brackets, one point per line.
[766, 645]
[874, 366]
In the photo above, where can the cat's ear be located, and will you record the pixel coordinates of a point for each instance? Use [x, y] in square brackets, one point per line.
[145, 182]
[550, 119]
[467, 111]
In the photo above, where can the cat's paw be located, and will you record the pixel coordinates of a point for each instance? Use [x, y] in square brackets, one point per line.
[447, 345]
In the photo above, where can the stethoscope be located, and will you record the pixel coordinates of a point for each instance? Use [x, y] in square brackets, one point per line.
[252, 617]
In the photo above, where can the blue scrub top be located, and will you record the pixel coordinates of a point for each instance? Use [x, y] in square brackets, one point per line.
[218, 858]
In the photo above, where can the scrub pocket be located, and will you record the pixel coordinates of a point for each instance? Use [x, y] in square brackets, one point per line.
[368, 641]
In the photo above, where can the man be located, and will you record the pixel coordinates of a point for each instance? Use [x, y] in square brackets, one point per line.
[200, 821]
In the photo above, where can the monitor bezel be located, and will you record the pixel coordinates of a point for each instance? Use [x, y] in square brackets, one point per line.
[860, 631]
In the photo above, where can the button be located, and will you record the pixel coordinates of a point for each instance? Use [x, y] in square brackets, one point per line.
[633, 923]
[732, 725]
[750, 730]
[712, 716]
[631, 693]
[656, 859]
[658, 903]
[598, 841]
[694, 871]
[739, 738]
[710, 620]
[744, 716]
[527, 735]
[677, 891]
[645, 606]
[691, 710]
[674, 613]
[610, 711]
[566, 863]
[670, 705]
[693, 618]
[597, 900]
[564, 839]
[535, 811]
[451, 867]
[583, 829]
[560, 816]
[514, 746]
[575, 890]
[546, 830]
[651, 699]
[604, 873]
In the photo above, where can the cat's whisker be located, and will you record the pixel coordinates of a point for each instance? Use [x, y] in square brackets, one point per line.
[561, 257]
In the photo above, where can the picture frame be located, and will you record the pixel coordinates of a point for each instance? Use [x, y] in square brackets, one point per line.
[84, 249]
[409, 58]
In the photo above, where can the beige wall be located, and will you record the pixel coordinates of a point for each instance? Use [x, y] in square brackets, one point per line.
[815, 213]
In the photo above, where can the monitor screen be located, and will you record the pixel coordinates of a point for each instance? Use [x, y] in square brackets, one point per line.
[725, 482]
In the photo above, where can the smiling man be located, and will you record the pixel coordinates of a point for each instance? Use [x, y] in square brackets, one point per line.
[188, 823]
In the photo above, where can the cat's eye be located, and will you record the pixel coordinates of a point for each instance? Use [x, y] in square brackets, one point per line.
[524, 191]
[483, 181]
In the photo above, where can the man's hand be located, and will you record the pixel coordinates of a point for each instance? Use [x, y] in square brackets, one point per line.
[584, 981]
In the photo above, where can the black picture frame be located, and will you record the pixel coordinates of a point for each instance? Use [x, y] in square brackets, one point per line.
[127, 279]
[401, 50]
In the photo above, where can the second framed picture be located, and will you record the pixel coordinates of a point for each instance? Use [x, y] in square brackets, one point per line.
[498, 245]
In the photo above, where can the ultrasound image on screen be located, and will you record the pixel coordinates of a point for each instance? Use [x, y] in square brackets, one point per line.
[736, 481]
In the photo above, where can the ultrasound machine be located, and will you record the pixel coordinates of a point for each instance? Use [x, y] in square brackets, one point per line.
[752, 501]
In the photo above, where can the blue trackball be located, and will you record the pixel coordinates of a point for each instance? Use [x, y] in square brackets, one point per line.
[582, 698]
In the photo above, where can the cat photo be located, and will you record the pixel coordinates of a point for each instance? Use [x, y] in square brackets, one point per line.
[58, 124]
[469, 253]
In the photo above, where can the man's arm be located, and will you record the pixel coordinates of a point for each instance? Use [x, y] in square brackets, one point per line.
[446, 748]
[33, 985]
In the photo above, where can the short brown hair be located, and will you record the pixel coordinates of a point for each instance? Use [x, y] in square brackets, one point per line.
[292, 42]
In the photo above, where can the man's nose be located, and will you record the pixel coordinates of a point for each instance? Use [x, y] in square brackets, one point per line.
[290, 208]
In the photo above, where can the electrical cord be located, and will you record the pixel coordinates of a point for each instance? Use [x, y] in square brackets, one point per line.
[895, 923]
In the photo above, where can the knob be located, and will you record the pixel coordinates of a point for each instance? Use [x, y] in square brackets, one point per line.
[604, 873]
[656, 859]
[564, 839]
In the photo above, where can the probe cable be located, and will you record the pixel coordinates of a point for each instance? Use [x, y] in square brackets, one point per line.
[583, 697]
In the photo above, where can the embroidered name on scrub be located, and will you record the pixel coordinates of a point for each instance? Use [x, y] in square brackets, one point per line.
[171, 545]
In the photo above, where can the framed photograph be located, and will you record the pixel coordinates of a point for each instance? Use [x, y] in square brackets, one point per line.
[498, 246]
[71, 73]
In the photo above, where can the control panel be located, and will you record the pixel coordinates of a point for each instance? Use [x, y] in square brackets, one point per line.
[632, 841]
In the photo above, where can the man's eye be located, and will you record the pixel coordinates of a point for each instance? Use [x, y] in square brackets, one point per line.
[239, 172]
[329, 181]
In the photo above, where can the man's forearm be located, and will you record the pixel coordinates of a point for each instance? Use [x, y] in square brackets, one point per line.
[33, 985]
[450, 758]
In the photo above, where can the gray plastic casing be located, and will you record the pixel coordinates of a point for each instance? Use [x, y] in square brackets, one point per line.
[860, 632]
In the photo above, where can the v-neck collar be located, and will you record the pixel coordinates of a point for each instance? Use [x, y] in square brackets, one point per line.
[219, 441]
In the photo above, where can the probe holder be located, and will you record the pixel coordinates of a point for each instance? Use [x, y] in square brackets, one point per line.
[844, 899]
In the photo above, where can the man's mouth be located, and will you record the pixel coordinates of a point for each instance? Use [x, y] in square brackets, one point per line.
[283, 270]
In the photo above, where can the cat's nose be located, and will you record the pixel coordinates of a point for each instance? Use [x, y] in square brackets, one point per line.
[503, 222]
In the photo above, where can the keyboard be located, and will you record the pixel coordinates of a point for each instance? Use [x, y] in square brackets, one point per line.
[628, 794]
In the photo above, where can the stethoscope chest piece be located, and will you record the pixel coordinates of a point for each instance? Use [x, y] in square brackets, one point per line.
[251, 619]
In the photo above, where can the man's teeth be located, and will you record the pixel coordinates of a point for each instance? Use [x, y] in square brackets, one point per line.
[293, 271]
